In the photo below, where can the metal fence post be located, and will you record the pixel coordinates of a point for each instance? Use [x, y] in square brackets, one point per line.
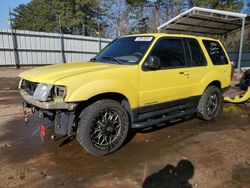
[241, 43]
[100, 44]
[62, 48]
[61, 41]
[15, 48]
[14, 42]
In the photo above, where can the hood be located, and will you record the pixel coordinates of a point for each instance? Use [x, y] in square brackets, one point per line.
[50, 74]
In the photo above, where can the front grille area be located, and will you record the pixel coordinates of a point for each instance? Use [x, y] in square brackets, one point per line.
[29, 86]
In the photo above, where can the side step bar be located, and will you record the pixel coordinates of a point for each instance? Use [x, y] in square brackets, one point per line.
[151, 122]
[148, 115]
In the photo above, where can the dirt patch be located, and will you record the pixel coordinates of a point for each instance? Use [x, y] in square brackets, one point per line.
[11, 72]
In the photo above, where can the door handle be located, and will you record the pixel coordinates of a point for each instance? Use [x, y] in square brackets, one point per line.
[184, 73]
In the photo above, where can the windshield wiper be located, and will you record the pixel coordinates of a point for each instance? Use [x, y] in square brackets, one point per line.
[112, 59]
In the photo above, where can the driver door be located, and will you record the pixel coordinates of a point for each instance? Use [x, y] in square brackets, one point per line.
[169, 85]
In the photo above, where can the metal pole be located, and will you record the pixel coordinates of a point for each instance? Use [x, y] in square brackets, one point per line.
[99, 39]
[14, 41]
[241, 43]
[61, 41]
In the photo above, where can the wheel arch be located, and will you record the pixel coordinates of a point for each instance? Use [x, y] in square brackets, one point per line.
[216, 83]
[107, 95]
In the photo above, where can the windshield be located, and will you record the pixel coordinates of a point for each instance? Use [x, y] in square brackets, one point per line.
[127, 50]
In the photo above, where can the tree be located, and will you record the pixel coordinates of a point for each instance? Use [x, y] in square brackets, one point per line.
[228, 5]
[171, 8]
[114, 14]
[114, 17]
[69, 16]
[35, 16]
[138, 19]
[162, 11]
[87, 13]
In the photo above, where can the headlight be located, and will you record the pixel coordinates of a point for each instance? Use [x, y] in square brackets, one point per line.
[60, 91]
[42, 92]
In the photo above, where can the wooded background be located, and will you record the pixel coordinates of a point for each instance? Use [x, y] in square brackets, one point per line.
[112, 18]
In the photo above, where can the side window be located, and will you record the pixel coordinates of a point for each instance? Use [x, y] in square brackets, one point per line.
[170, 51]
[197, 56]
[215, 52]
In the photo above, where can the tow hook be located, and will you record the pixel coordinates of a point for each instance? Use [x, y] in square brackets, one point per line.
[26, 119]
[53, 137]
[26, 113]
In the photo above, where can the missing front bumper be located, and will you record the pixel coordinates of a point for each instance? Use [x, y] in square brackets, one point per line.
[46, 105]
[61, 120]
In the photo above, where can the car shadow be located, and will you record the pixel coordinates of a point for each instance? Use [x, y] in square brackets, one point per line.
[171, 176]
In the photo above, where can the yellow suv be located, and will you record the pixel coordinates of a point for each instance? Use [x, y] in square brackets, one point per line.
[135, 82]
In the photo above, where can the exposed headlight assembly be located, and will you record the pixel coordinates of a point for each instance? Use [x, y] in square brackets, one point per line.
[42, 92]
[20, 83]
[60, 91]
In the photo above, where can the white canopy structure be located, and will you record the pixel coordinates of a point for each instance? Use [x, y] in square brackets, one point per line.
[208, 22]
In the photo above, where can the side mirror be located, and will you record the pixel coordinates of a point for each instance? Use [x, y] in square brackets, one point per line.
[153, 63]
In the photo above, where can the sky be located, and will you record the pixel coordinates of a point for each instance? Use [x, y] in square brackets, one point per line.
[5, 4]
[4, 10]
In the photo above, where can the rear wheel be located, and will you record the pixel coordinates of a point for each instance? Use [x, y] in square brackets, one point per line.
[103, 127]
[209, 104]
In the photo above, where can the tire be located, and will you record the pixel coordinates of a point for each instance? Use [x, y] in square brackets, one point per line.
[103, 127]
[209, 104]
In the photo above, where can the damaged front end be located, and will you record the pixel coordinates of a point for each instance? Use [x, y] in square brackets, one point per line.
[44, 106]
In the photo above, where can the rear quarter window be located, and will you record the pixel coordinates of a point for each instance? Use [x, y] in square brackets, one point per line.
[215, 52]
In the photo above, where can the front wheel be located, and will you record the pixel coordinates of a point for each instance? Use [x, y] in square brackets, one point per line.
[209, 104]
[103, 127]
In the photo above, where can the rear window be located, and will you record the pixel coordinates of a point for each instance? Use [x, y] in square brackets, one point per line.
[215, 52]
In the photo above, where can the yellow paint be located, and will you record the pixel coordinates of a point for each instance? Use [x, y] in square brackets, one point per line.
[85, 80]
[239, 99]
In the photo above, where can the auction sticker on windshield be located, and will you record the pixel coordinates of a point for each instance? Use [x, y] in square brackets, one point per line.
[143, 38]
